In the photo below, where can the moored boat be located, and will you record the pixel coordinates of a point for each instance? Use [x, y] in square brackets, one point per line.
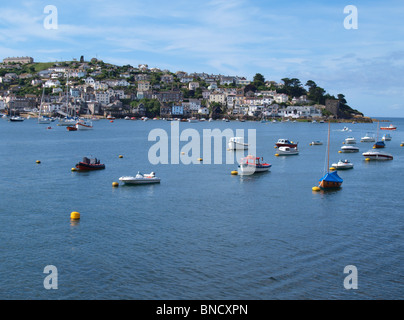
[350, 140]
[237, 143]
[71, 128]
[349, 149]
[90, 164]
[386, 137]
[252, 164]
[286, 143]
[343, 165]
[390, 127]
[379, 145]
[16, 119]
[84, 125]
[316, 143]
[287, 151]
[377, 155]
[140, 179]
[368, 138]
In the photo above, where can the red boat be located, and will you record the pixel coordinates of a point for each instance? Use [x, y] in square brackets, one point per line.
[90, 164]
[390, 127]
[69, 128]
[286, 143]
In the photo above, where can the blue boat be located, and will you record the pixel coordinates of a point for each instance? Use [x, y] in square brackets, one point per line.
[379, 144]
[330, 180]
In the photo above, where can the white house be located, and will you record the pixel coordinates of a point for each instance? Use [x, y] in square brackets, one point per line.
[281, 97]
[51, 83]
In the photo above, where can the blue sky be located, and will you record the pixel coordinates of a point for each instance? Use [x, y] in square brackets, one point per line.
[300, 39]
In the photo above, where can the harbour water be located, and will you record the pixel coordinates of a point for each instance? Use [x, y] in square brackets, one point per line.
[201, 233]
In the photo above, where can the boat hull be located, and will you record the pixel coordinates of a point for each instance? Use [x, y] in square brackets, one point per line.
[83, 126]
[329, 185]
[89, 167]
[133, 180]
[377, 156]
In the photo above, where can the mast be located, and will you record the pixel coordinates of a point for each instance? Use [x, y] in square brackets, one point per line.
[328, 147]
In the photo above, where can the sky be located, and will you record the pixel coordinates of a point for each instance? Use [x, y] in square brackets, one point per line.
[307, 40]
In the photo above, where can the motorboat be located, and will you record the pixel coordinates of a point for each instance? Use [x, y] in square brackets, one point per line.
[44, 120]
[316, 143]
[390, 127]
[286, 143]
[286, 151]
[343, 165]
[345, 129]
[349, 149]
[17, 119]
[67, 122]
[379, 145]
[386, 137]
[237, 143]
[140, 179]
[377, 155]
[368, 138]
[84, 124]
[71, 128]
[350, 140]
[252, 164]
[90, 164]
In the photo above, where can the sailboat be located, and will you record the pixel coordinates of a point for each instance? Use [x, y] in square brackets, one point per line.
[378, 144]
[43, 119]
[331, 180]
[67, 121]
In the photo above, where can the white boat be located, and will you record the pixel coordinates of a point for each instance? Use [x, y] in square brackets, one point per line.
[343, 165]
[350, 140]
[286, 151]
[316, 143]
[377, 155]
[16, 119]
[368, 138]
[345, 129]
[251, 164]
[140, 179]
[349, 149]
[386, 137]
[84, 125]
[237, 143]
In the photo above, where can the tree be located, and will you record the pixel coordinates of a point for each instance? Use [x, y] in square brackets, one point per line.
[258, 80]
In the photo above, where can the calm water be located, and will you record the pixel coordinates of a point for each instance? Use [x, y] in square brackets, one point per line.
[202, 233]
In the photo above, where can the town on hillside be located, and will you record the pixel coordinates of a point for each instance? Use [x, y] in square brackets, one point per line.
[100, 89]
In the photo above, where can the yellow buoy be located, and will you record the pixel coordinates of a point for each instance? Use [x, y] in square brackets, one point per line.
[374, 147]
[332, 168]
[309, 144]
[199, 159]
[315, 188]
[402, 145]
[367, 159]
[120, 156]
[75, 215]
[340, 151]
[115, 184]
[74, 169]
[275, 147]
[276, 154]
[38, 161]
[234, 172]
[182, 152]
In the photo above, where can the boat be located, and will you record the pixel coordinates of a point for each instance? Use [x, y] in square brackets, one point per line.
[330, 180]
[84, 125]
[71, 128]
[350, 140]
[286, 151]
[90, 164]
[368, 138]
[110, 117]
[379, 145]
[343, 165]
[140, 179]
[349, 149]
[16, 119]
[237, 143]
[316, 143]
[386, 137]
[390, 127]
[377, 155]
[286, 143]
[252, 164]
[345, 129]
